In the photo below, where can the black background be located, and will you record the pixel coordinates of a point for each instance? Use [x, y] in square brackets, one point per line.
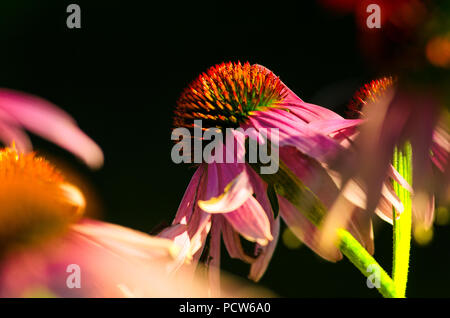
[120, 75]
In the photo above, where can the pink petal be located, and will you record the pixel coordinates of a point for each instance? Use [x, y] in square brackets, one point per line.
[311, 173]
[233, 243]
[187, 204]
[251, 221]
[328, 127]
[46, 120]
[305, 230]
[179, 235]
[297, 134]
[124, 240]
[360, 227]
[10, 134]
[259, 267]
[235, 194]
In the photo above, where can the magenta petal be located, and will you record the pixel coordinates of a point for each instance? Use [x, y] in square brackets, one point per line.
[187, 205]
[46, 120]
[305, 230]
[251, 221]
[297, 134]
[311, 173]
[10, 134]
[328, 127]
[233, 244]
[259, 267]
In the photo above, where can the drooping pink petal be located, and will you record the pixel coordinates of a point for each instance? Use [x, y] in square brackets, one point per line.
[306, 111]
[251, 221]
[235, 194]
[233, 243]
[440, 148]
[360, 226]
[259, 267]
[187, 204]
[311, 173]
[179, 235]
[124, 240]
[294, 133]
[397, 177]
[328, 127]
[46, 120]
[305, 230]
[10, 134]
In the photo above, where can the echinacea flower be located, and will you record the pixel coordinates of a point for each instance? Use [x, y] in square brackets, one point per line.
[48, 249]
[395, 115]
[230, 199]
[20, 111]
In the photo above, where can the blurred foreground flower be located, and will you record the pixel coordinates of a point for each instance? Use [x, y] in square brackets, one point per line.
[48, 250]
[395, 115]
[20, 111]
[230, 200]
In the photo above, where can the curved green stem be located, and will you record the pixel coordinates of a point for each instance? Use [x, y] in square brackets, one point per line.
[402, 224]
[288, 185]
[367, 265]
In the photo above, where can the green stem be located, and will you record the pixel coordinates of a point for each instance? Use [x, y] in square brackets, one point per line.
[288, 185]
[402, 224]
[367, 265]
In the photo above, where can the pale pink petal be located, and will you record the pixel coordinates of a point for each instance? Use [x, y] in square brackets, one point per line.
[179, 235]
[46, 120]
[236, 193]
[397, 177]
[360, 226]
[124, 240]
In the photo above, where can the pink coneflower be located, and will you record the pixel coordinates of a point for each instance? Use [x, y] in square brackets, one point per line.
[20, 111]
[47, 248]
[43, 237]
[395, 116]
[231, 200]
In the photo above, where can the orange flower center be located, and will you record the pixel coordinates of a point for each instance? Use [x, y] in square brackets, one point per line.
[35, 201]
[370, 92]
[226, 94]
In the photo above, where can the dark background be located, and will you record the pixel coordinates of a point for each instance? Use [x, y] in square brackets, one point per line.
[120, 75]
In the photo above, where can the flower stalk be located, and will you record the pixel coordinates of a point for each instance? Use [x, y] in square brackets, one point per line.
[368, 266]
[402, 224]
[288, 185]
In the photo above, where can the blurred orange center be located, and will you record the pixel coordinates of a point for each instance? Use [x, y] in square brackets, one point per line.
[35, 202]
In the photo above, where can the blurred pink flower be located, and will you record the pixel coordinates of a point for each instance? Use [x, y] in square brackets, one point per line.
[47, 248]
[230, 200]
[42, 232]
[20, 111]
[396, 115]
